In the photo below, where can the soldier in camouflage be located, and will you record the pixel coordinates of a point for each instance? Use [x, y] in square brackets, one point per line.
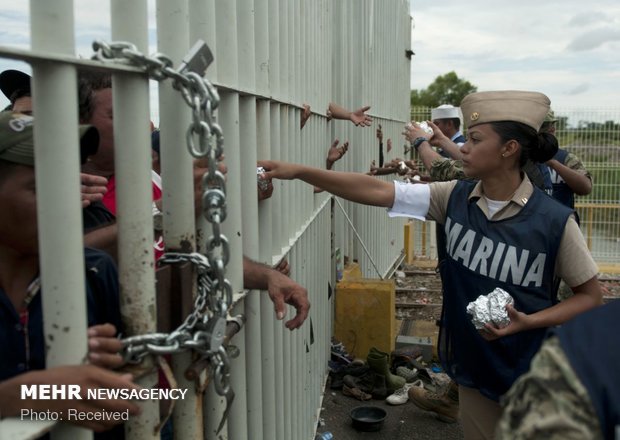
[572, 390]
[548, 402]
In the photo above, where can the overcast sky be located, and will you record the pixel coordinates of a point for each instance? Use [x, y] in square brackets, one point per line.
[568, 49]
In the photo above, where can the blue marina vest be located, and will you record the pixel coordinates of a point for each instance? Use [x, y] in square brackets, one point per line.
[561, 191]
[516, 254]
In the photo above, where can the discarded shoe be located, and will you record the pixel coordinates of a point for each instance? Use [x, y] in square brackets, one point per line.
[354, 370]
[357, 362]
[339, 353]
[356, 393]
[379, 363]
[445, 405]
[370, 383]
[410, 374]
[401, 395]
[335, 382]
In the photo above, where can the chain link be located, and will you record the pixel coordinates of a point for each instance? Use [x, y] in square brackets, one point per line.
[203, 329]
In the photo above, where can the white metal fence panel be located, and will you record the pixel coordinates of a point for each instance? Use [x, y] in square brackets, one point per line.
[271, 57]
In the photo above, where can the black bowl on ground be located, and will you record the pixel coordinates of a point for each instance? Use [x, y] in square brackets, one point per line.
[368, 418]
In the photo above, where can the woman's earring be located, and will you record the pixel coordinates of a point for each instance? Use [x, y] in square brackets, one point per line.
[503, 154]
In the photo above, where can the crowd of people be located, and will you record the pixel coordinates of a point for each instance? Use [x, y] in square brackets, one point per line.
[503, 199]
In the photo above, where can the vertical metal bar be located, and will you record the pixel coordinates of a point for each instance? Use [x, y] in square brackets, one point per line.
[247, 124]
[133, 173]
[265, 210]
[228, 73]
[57, 169]
[277, 184]
[247, 131]
[178, 190]
[202, 26]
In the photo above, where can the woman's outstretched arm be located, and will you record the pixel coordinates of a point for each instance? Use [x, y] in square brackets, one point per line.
[356, 187]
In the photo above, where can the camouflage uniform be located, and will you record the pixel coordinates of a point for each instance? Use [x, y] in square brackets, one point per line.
[574, 163]
[443, 170]
[548, 402]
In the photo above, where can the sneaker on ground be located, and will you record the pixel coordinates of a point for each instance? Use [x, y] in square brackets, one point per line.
[401, 395]
[409, 374]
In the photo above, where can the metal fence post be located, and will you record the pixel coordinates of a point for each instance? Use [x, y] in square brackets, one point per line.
[57, 172]
[133, 174]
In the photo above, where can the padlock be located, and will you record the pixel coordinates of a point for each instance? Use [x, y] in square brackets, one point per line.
[197, 60]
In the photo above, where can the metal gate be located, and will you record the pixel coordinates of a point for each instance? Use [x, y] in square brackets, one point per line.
[271, 57]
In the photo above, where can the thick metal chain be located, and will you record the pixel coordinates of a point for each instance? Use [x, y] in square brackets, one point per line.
[203, 329]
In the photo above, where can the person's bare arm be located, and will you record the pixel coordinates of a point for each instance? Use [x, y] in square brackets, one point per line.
[358, 117]
[104, 238]
[282, 290]
[438, 139]
[334, 154]
[356, 187]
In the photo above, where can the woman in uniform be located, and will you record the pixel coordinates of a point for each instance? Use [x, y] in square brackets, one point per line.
[501, 232]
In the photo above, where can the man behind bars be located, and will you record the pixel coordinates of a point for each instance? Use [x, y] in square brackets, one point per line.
[21, 315]
[95, 98]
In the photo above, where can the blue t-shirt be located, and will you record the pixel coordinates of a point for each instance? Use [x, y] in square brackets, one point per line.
[102, 299]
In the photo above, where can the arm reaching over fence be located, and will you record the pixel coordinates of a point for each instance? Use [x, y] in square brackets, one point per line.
[355, 187]
[358, 117]
[334, 154]
[282, 290]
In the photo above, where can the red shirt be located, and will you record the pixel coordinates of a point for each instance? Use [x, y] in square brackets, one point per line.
[109, 200]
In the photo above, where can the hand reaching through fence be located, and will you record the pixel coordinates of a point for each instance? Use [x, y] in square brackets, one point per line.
[282, 290]
[104, 346]
[334, 154]
[92, 189]
[358, 117]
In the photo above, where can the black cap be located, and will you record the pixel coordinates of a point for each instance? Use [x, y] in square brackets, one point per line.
[13, 80]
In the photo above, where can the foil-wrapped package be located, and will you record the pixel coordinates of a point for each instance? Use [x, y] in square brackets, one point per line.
[490, 308]
[423, 125]
[261, 179]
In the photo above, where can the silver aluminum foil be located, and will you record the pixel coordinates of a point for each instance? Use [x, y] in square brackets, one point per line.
[261, 180]
[491, 309]
[423, 125]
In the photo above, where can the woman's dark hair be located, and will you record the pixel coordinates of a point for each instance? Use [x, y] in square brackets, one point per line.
[537, 147]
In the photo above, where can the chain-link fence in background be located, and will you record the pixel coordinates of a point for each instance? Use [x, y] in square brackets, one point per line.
[593, 135]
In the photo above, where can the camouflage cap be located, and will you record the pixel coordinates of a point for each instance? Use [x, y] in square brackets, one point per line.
[550, 117]
[529, 108]
[17, 139]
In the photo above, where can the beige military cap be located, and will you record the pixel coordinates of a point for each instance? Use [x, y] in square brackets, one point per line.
[529, 108]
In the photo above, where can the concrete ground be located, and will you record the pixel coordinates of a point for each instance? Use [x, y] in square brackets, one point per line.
[403, 422]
